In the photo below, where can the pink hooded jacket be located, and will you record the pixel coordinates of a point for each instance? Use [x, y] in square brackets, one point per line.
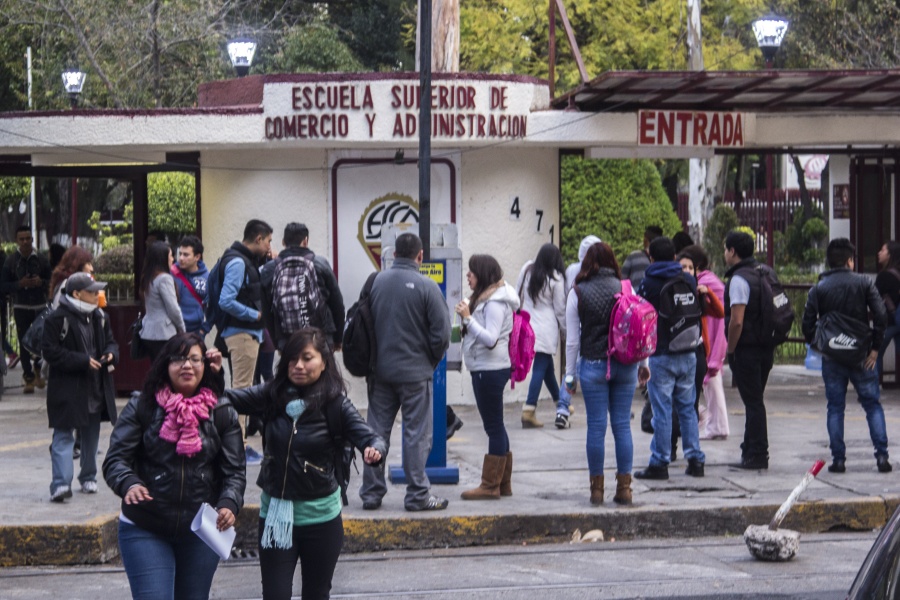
[715, 327]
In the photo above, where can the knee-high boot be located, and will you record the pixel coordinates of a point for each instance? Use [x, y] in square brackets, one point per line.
[505, 481]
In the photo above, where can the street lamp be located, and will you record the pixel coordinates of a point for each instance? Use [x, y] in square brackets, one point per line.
[769, 31]
[73, 80]
[241, 51]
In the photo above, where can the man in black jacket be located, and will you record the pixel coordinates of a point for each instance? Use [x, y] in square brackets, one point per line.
[79, 346]
[852, 295]
[26, 278]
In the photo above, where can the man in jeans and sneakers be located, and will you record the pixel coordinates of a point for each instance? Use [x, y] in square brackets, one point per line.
[26, 279]
[412, 332]
[852, 295]
[749, 356]
[671, 386]
[242, 302]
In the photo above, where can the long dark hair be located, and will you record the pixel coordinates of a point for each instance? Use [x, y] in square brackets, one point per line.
[893, 249]
[599, 255]
[698, 256]
[156, 262]
[487, 272]
[546, 265]
[179, 345]
[330, 385]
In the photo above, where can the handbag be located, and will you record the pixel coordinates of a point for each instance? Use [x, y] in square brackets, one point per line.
[138, 348]
[843, 339]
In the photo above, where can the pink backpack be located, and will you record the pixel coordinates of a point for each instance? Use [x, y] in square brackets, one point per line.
[521, 347]
[632, 328]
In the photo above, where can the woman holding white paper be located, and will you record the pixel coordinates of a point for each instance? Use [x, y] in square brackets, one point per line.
[300, 506]
[175, 447]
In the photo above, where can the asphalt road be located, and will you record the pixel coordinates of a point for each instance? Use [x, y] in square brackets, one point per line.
[709, 568]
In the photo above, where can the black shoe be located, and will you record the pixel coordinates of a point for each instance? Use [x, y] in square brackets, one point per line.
[454, 426]
[837, 466]
[433, 503]
[653, 472]
[372, 504]
[694, 468]
[752, 464]
[884, 465]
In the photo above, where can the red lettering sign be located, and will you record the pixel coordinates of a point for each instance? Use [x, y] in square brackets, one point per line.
[681, 128]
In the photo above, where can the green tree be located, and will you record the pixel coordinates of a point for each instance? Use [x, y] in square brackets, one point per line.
[171, 202]
[313, 48]
[615, 200]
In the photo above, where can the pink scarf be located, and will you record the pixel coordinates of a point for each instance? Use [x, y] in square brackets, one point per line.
[183, 416]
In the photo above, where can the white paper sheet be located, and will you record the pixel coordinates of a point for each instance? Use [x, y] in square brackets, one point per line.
[204, 525]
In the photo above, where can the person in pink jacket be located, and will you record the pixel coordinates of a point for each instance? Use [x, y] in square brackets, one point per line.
[714, 420]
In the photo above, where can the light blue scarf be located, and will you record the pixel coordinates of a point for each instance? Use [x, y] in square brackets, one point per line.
[280, 518]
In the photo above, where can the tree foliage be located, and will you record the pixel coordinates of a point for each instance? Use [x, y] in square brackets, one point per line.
[615, 200]
[171, 203]
[315, 48]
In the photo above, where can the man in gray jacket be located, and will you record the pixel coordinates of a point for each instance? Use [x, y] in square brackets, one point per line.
[412, 330]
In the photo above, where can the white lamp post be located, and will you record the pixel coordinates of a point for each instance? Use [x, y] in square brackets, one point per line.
[73, 80]
[241, 51]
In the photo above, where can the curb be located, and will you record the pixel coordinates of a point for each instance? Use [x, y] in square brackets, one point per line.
[96, 542]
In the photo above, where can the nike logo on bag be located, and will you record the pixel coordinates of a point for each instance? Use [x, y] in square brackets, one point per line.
[842, 342]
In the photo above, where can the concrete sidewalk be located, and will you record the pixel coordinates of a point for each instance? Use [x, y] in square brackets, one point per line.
[550, 484]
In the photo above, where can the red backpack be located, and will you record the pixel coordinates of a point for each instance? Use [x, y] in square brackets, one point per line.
[632, 328]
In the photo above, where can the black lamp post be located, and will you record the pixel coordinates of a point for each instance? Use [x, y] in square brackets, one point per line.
[241, 51]
[73, 80]
[769, 31]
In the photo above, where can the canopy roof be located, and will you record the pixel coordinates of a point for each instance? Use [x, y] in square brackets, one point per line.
[748, 91]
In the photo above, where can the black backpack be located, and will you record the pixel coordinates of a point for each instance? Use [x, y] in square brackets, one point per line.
[776, 312]
[358, 343]
[679, 315]
[344, 452]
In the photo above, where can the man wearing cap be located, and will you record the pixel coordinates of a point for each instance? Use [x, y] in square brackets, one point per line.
[79, 346]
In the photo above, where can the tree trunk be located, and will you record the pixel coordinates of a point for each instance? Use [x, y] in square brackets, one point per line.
[805, 200]
[444, 36]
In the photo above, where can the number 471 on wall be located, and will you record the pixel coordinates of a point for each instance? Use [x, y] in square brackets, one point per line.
[515, 214]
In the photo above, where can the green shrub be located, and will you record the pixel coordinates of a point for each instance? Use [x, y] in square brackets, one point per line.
[172, 203]
[723, 220]
[115, 260]
[615, 200]
[120, 286]
[806, 239]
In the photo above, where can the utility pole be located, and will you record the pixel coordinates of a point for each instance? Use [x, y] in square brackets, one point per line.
[425, 126]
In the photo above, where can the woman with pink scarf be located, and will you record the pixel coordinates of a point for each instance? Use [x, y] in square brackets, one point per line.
[175, 447]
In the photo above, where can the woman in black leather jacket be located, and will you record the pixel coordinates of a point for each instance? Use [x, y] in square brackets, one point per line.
[174, 447]
[300, 507]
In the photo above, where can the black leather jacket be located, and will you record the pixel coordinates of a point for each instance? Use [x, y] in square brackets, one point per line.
[298, 460]
[177, 484]
[848, 293]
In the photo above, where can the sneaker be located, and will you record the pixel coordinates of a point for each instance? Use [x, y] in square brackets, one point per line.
[89, 487]
[562, 421]
[694, 468]
[751, 464]
[839, 465]
[454, 426]
[253, 457]
[61, 493]
[658, 472]
[372, 504]
[433, 503]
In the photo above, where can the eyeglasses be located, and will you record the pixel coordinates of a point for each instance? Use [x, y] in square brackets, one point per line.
[179, 361]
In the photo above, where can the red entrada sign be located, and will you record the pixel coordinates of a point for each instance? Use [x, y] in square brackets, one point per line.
[686, 128]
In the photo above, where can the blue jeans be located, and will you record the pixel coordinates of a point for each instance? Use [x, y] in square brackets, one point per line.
[488, 387]
[542, 372]
[671, 387]
[163, 568]
[565, 398]
[61, 454]
[836, 377]
[614, 397]
[892, 332]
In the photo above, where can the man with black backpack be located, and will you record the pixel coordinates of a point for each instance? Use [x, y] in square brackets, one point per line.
[673, 293]
[836, 322]
[750, 327]
[303, 289]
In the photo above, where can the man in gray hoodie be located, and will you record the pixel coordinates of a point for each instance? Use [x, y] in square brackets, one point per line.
[412, 332]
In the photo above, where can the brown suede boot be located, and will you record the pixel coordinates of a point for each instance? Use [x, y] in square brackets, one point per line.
[505, 483]
[491, 474]
[596, 489]
[529, 419]
[623, 489]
